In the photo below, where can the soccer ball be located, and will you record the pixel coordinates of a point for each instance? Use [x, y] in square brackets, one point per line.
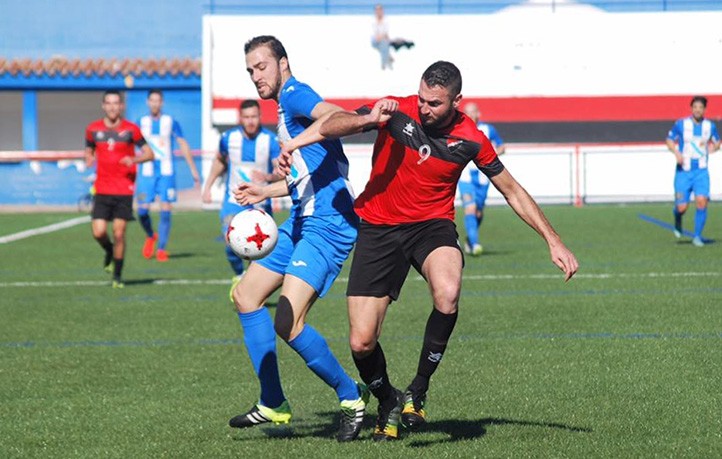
[252, 234]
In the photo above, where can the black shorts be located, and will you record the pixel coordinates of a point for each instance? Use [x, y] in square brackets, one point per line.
[384, 254]
[111, 206]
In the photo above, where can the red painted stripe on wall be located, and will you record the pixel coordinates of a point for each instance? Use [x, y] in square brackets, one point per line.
[540, 109]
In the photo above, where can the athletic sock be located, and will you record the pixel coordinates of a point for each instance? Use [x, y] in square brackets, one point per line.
[700, 218]
[677, 219]
[372, 370]
[472, 229]
[438, 330]
[145, 222]
[117, 268]
[235, 261]
[106, 245]
[314, 350]
[163, 229]
[260, 340]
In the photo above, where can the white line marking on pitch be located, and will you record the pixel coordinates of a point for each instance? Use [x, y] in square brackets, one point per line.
[164, 282]
[44, 229]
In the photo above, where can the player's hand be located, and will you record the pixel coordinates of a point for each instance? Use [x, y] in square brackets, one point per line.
[680, 159]
[127, 161]
[285, 159]
[564, 259]
[382, 110]
[206, 195]
[248, 194]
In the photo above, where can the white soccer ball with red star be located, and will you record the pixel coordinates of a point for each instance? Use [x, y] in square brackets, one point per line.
[252, 234]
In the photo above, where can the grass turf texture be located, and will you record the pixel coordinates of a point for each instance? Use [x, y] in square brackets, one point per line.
[623, 361]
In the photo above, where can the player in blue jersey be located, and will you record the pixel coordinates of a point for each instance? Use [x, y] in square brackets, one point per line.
[474, 186]
[246, 153]
[312, 246]
[157, 178]
[691, 139]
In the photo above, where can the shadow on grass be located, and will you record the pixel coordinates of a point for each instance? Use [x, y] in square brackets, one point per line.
[469, 429]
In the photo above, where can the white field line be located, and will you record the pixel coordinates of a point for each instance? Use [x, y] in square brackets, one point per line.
[44, 229]
[490, 277]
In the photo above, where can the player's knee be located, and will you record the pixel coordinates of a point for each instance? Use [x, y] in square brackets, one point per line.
[362, 344]
[243, 303]
[446, 297]
[119, 235]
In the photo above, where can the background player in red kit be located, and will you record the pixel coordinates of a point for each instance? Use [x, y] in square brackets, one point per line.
[407, 219]
[110, 142]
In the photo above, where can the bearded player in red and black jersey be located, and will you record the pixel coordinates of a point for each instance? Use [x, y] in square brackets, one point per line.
[110, 142]
[407, 212]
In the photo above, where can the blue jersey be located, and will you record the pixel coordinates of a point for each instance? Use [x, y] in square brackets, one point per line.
[471, 173]
[159, 133]
[243, 155]
[693, 139]
[318, 182]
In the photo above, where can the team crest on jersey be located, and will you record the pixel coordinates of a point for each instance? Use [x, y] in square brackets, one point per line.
[99, 135]
[409, 129]
[452, 143]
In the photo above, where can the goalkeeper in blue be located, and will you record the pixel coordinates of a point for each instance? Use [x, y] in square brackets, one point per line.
[312, 246]
[691, 139]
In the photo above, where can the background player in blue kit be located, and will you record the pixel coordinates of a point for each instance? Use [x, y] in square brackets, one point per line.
[157, 178]
[690, 140]
[312, 246]
[474, 186]
[247, 153]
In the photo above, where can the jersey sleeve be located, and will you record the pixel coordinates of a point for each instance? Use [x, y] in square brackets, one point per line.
[223, 145]
[486, 160]
[366, 109]
[89, 139]
[138, 138]
[676, 132]
[714, 134]
[176, 131]
[301, 101]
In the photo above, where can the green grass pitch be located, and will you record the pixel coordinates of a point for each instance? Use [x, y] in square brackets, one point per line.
[623, 361]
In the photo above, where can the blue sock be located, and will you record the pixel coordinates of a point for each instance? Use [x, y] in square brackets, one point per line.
[472, 229]
[235, 261]
[311, 346]
[145, 222]
[700, 218]
[260, 339]
[677, 219]
[163, 229]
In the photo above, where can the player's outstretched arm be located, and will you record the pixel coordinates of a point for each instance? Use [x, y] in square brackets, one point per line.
[525, 206]
[186, 152]
[341, 124]
[251, 193]
[217, 168]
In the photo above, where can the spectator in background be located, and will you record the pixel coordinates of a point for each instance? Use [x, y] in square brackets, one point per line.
[473, 186]
[690, 140]
[382, 42]
[247, 153]
[110, 142]
[157, 178]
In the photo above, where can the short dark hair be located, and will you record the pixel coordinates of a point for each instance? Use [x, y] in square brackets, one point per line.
[702, 99]
[249, 103]
[112, 92]
[445, 74]
[273, 43]
[155, 91]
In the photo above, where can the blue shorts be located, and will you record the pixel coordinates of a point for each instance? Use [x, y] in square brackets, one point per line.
[687, 182]
[473, 193]
[163, 186]
[313, 249]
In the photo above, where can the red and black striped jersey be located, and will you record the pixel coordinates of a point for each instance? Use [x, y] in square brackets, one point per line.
[111, 145]
[415, 170]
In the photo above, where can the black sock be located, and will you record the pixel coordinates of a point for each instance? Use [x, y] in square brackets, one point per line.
[372, 370]
[438, 330]
[117, 268]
